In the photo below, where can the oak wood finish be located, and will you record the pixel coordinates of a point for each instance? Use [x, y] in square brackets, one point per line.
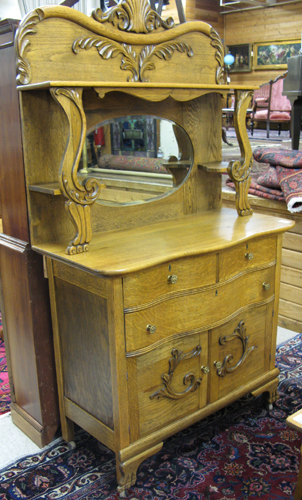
[290, 310]
[25, 298]
[170, 314]
[28, 340]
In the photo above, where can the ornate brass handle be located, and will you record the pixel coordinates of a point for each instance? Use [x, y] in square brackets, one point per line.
[249, 256]
[227, 366]
[205, 369]
[266, 286]
[189, 379]
[172, 278]
[151, 328]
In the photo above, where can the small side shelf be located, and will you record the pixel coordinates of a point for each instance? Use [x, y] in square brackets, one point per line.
[215, 166]
[52, 188]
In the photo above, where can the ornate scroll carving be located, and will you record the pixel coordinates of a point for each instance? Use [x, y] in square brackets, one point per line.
[239, 170]
[26, 28]
[80, 196]
[137, 64]
[127, 467]
[168, 391]
[130, 15]
[216, 43]
[239, 333]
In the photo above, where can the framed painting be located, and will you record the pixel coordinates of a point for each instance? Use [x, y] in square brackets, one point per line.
[273, 55]
[242, 55]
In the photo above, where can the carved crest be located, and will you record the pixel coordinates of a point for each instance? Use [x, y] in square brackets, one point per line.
[137, 64]
[133, 15]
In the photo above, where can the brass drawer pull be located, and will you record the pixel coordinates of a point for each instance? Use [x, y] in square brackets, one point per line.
[151, 328]
[172, 278]
[249, 256]
[266, 286]
[205, 369]
[189, 379]
[217, 364]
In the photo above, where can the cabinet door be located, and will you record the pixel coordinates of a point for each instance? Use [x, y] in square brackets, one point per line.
[167, 383]
[240, 350]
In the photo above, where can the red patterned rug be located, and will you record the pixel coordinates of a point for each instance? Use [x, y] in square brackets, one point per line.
[243, 452]
[4, 382]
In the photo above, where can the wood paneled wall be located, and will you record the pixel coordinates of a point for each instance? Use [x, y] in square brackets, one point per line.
[207, 11]
[276, 23]
[281, 22]
[199, 10]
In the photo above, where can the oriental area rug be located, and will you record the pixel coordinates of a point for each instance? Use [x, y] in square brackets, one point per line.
[242, 452]
[4, 382]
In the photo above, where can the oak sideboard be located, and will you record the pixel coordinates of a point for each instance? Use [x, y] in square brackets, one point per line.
[163, 309]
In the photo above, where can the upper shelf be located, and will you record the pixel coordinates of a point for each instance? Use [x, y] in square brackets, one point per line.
[122, 86]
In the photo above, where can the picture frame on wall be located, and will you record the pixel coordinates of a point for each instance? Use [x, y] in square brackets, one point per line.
[273, 55]
[242, 55]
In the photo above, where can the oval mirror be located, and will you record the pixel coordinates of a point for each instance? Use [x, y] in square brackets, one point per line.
[137, 158]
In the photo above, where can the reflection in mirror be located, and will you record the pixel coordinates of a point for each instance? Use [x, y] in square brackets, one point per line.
[138, 158]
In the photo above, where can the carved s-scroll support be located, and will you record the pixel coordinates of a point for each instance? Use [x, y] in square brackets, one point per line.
[239, 170]
[80, 196]
[226, 366]
[127, 468]
[271, 390]
[189, 379]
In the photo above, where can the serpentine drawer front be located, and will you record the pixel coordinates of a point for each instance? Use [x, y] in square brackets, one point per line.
[182, 274]
[247, 256]
[193, 311]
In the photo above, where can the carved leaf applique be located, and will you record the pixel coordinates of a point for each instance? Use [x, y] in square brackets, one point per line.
[163, 51]
[137, 65]
[110, 49]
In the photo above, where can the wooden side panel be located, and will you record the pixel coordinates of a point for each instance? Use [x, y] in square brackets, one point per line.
[12, 183]
[29, 336]
[84, 339]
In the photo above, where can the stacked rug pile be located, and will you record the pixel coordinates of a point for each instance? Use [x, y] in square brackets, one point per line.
[282, 180]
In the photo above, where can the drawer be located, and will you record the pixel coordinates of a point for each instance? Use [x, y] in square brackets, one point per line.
[246, 256]
[167, 384]
[188, 273]
[242, 346]
[196, 311]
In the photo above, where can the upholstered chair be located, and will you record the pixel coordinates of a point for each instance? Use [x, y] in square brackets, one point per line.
[270, 106]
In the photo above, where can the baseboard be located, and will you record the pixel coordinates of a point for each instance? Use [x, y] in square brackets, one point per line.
[40, 435]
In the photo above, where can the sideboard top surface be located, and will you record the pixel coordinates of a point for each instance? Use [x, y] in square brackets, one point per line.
[131, 250]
